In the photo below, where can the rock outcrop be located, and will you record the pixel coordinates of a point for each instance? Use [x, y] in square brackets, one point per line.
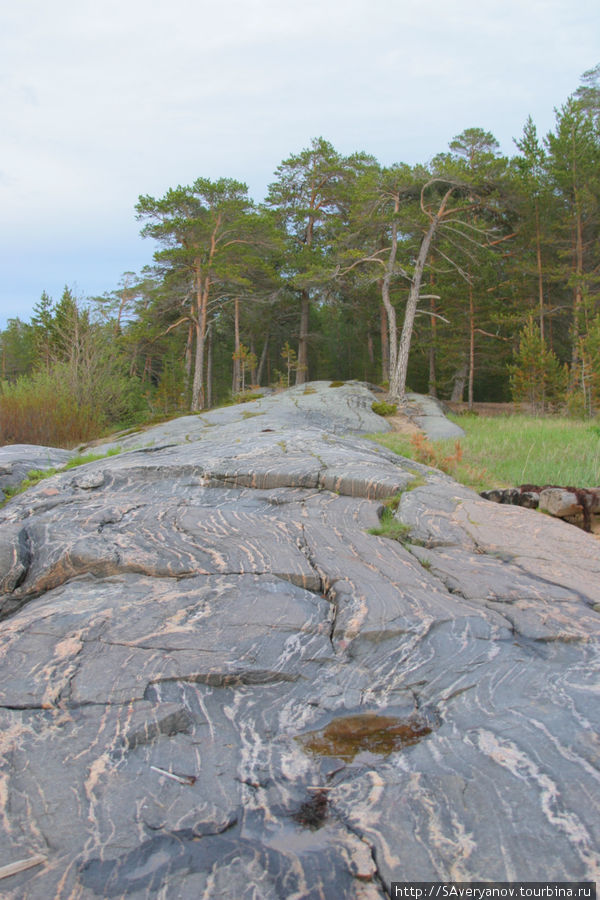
[215, 682]
[17, 460]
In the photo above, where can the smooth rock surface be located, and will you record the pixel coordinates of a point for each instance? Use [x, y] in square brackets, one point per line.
[428, 414]
[179, 619]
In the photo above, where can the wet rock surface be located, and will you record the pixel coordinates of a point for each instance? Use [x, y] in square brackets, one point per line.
[214, 682]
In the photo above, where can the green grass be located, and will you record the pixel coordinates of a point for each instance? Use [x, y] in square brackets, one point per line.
[505, 451]
[34, 476]
[390, 527]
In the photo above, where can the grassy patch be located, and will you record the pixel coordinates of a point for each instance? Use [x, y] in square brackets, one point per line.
[504, 451]
[390, 527]
[89, 457]
[383, 409]
[337, 384]
[247, 397]
[34, 476]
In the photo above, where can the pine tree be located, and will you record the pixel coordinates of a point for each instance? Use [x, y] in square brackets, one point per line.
[537, 376]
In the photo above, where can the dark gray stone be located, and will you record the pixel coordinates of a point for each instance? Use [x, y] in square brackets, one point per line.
[179, 619]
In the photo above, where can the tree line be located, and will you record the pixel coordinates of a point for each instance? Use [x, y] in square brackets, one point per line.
[474, 276]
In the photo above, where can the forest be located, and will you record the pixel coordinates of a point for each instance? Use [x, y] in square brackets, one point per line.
[474, 276]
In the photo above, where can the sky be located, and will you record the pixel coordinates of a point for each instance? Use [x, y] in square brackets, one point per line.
[104, 100]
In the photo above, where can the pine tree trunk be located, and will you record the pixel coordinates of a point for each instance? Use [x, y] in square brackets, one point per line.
[578, 291]
[458, 387]
[198, 385]
[235, 385]
[263, 358]
[209, 369]
[198, 395]
[538, 253]
[471, 345]
[385, 345]
[253, 356]
[302, 368]
[187, 359]
[432, 386]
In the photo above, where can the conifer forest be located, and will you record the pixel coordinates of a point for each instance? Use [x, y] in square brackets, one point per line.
[473, 276]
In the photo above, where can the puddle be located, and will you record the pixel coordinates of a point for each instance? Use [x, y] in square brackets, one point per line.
[348, 736]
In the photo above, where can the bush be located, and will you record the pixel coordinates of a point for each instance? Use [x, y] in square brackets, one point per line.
[383, 409]
[55, 408]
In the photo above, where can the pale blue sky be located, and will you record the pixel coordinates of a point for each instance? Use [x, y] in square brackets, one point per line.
[103, 100]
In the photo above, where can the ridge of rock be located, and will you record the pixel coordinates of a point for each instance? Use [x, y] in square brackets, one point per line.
[179, 617]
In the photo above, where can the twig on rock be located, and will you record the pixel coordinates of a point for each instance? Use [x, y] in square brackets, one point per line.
[182, 779]
[21, 865]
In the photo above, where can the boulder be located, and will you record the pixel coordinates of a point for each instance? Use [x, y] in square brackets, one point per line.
[559, 502]
[216, 682]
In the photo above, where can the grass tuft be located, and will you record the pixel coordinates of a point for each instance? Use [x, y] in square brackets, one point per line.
[390, 527]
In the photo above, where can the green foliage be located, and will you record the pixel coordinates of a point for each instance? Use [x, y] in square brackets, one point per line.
[63, 407]
[289, 356]
[247, 362]
[384, 409]
[585, 391]
[537, 376]
[17, 350]
[391, 527]
[170, 396]
[85, 458]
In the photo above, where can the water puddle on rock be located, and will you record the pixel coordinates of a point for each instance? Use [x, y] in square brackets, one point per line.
[347, 736]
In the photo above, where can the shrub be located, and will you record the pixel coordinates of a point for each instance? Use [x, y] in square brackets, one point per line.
[58, 408]
[383, 409]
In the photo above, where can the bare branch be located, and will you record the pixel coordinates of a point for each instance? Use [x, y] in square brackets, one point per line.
[502, 239]
[488, 334]
[455, 266]
[463, 235]
[427, 312]
[365, 259]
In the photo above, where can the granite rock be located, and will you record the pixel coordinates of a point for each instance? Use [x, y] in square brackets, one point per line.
[17, 460]
[180, 620]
